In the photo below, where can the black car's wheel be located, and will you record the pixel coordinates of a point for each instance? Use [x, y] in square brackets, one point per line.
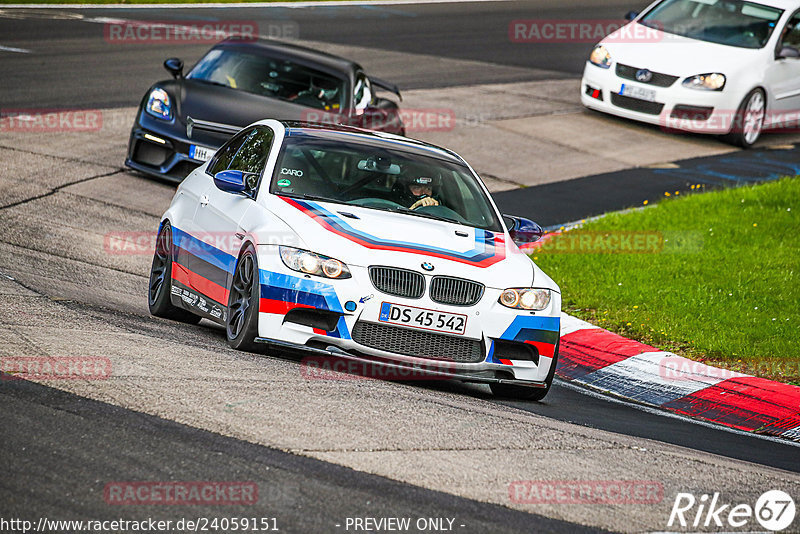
[526, 393]
[241, 325]
[158, 294]
[749, 120]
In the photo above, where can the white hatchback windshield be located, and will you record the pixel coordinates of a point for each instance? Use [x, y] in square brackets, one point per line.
[728, 22]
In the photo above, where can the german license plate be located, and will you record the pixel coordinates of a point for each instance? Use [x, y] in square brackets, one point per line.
[451, 323]
[641, 93]
[200, 153]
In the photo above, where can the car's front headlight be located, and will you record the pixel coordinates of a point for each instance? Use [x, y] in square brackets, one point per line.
[600, 57]
[527, 298]
[158, 104]
[713, 81]
[308, 262]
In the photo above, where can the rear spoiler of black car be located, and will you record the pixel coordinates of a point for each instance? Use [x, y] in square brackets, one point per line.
[383, 84]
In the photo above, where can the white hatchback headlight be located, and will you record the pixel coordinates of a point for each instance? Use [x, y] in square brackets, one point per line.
[158, 104]
[527, 298]
[600, 57]
[308, 262]
[713, 81]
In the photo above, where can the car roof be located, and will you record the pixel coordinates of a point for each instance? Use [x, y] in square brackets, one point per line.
[302, 53]
[312, 128]
[788, 5]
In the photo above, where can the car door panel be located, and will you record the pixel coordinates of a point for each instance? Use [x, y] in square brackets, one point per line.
[184, 228]
[783, 74]
[219, 214]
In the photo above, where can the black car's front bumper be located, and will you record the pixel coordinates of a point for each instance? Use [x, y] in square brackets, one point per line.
[161, 148]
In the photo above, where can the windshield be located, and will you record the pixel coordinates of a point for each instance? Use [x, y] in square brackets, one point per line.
[276, 78]
[727, 22]
[382, 176]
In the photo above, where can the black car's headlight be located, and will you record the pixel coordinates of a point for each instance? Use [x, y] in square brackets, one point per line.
[525, 298]
[600, 57]
[713, 81]
[308, 262]
[158, 104]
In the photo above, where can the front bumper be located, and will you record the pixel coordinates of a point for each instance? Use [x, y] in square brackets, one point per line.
[372, 367]
[514, 346]
[161, 148]
[674, 108]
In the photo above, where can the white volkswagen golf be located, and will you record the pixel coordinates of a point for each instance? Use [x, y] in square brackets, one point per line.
[358, 245]
[727, 67]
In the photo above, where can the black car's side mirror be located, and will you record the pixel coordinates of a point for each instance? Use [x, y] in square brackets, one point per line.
[523, 230]
[788, 52]
[174, 66]
[630, 15]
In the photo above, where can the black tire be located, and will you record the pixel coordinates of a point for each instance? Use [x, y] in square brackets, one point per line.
[511, 391]
[748, 124]
[241, 325]
[160, 285]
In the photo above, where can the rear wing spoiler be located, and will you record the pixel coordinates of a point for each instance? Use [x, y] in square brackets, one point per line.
[383, 84]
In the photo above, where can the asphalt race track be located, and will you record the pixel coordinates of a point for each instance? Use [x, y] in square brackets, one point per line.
[79, 58]
[306, 494]
[555, 203]
[182, 406]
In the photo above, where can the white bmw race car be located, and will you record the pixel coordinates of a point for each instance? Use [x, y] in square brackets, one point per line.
[358, 245]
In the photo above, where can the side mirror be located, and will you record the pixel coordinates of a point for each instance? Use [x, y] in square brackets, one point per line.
[787, 52]
[174, 66]
[523, 230]
[231, 181]
[630, 15]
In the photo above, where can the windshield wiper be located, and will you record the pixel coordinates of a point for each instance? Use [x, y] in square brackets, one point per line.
[210, 82]
[401, 209]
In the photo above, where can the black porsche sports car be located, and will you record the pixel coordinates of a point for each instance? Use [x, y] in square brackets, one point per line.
[181, 122]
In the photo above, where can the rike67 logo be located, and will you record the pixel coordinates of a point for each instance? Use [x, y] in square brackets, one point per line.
[774, 510]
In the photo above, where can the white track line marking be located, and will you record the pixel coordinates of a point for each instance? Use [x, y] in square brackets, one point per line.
[12, 49]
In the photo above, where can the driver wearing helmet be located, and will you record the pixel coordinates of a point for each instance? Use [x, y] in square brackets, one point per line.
[420, 189]
[322, 92]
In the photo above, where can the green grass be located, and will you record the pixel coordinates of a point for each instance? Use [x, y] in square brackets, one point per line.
[724, 288]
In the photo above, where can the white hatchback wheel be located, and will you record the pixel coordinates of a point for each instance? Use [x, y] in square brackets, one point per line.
[748, 123]
[753, 117]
